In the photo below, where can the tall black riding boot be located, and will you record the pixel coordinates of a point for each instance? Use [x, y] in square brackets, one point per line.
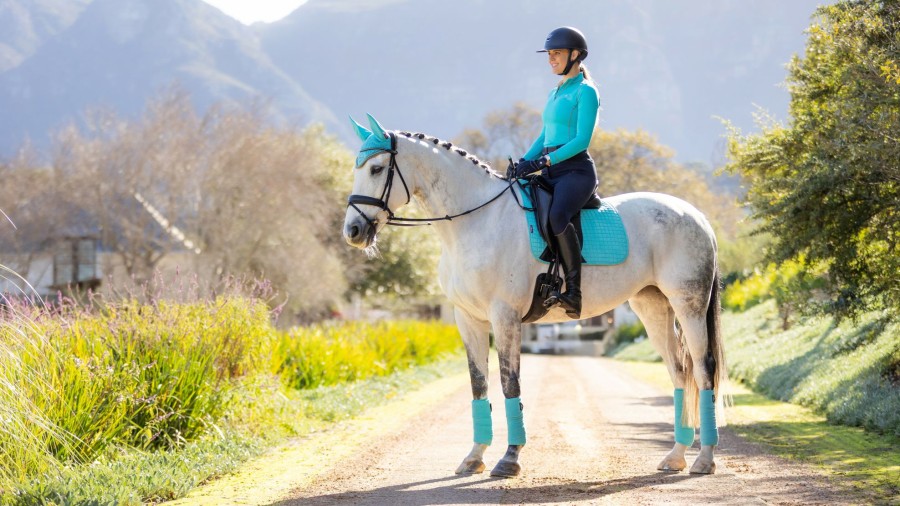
[570, 258]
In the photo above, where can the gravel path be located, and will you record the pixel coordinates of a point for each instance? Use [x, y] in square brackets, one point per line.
[595, 436]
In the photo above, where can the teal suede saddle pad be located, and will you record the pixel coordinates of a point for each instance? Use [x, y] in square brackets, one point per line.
[605, 240]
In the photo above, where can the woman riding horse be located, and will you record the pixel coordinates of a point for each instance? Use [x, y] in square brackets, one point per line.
[560, 153]
[488, 271]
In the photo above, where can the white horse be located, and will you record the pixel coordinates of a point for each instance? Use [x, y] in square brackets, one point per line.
[487, 270]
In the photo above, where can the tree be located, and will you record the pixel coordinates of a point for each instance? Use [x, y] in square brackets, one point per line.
[265, 207]
[506, 133]
[124, 176]
[31, 216]
[827, 184]
[219, 195]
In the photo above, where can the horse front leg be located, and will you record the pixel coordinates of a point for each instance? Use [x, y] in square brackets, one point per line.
[507, 339]
[475, 335]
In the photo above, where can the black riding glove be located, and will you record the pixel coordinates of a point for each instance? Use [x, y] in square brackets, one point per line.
[526, 167]
[511, 169]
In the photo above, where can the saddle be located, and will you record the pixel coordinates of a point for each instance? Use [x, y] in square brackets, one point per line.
[541, 195]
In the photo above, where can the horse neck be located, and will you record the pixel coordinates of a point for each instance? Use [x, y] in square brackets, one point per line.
[447, 183]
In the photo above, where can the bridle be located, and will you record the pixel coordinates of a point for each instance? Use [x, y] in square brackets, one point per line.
[382, 201]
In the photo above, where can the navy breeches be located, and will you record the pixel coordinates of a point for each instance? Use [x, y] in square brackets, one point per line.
[574, 181]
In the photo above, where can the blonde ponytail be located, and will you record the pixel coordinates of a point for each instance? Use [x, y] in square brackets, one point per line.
[584, 70]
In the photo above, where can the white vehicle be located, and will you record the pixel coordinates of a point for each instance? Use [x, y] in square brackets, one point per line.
[581, 336]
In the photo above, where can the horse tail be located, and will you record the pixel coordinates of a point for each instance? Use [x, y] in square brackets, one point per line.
[715, 363]
[717, 350]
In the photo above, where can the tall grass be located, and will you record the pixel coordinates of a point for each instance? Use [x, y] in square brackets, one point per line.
[79, 385]
[327, 355]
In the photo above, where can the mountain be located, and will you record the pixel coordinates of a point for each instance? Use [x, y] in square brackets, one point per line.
[439, 67]
[26, 24]
[118, 53]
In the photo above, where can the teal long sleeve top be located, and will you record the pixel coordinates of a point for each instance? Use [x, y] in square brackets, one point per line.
[569, 119]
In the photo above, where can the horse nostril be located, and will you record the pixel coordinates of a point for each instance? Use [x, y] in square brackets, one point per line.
[354, 232]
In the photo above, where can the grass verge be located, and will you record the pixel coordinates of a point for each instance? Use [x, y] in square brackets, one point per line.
[869, 462]
[833, 369]
[137, 477]
[133, 402]
[848, 371]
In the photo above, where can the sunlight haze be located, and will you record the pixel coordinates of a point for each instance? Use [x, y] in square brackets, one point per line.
[260, 10]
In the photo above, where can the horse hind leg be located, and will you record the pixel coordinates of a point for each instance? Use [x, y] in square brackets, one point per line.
[658, 318]
[705, 366]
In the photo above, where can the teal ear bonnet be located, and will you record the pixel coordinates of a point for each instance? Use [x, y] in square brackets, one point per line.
[375, 141]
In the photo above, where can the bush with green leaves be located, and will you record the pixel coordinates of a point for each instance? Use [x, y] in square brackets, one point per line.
[750, 291]
[793, 284]
[826, 185]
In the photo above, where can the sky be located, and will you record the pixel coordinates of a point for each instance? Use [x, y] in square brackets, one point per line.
[251, 11]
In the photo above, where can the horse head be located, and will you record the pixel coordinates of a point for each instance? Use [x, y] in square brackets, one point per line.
[375, 176]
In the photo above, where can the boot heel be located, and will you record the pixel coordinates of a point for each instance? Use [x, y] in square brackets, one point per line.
[572, 311]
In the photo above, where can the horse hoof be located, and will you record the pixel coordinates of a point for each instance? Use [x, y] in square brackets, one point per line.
[703, 467]
[506, 469]
[670, 464]
[470, 467]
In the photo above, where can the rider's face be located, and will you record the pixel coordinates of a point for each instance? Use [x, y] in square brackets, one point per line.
[557, 58]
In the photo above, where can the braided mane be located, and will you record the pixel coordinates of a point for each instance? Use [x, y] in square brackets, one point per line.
[448, 146]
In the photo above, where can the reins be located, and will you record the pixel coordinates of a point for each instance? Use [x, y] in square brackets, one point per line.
[399, 221]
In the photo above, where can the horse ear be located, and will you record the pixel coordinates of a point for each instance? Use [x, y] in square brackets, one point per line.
[361, 131]
[377, 129]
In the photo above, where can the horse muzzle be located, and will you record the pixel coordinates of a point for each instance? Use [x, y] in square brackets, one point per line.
[358, 233]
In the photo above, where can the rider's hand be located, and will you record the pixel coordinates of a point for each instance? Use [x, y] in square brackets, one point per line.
[525, 167]
[511, 170]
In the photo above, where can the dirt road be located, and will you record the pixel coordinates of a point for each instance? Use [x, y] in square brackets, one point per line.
[595, 436]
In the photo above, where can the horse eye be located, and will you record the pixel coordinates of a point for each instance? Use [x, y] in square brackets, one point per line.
[376, 169]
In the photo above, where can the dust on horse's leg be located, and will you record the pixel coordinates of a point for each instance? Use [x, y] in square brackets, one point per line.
[658, 318]
[475, 335]
[507, 339]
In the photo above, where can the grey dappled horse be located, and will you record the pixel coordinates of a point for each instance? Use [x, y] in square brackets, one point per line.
[488, 272]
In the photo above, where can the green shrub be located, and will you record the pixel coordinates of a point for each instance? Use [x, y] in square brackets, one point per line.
[746, 293]
[792, 284]
[630, 331]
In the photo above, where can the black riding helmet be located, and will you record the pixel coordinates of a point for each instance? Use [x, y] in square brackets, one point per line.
[569, 38]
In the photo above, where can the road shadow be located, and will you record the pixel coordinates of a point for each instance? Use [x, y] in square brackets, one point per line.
[658, 433]
[663, 400]
[467, 490]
